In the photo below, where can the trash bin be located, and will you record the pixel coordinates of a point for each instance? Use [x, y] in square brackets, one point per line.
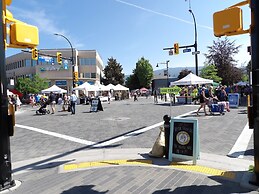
[250, 116]
[167, 119]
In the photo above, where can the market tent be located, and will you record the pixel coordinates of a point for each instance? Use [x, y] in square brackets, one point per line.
[111, 86]
[87, 87]
[9, 93]
[191, 79]
[241, 83]
[120, 87]
[82, 86]
[54, 89]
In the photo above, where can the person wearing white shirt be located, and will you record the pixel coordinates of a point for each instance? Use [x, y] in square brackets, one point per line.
[73, 99]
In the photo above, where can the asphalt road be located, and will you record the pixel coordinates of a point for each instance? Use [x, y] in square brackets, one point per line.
[122, 124]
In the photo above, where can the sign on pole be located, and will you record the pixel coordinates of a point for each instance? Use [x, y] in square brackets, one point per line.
[197, 52]
[186, 50]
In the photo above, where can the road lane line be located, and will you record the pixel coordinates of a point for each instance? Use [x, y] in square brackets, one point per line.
[239, 148]
[134, 133]
[128, 135]
[102, 144]
[66, 137]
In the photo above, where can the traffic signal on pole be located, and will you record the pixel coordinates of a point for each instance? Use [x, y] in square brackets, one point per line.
[59, 57]
[76, 76]
[34, 54]
[176, 48]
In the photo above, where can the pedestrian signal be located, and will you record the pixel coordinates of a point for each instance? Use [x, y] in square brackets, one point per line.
[34, 54]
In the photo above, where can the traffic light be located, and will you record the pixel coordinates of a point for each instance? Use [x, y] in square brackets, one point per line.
[176, 48]
[34, 54]
[59, 57]
[76, 76]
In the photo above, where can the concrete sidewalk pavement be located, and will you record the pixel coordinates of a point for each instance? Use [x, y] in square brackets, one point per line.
[131, 171]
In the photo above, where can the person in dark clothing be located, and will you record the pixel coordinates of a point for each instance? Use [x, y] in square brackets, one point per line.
[203, 100]
[52, 102]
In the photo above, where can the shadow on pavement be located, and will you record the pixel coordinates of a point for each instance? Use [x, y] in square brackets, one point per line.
[82, 189]
[224, 187]
[35, 164]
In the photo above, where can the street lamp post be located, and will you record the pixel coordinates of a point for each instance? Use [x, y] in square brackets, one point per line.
[167, 80]
[72, 57]
[195, 42]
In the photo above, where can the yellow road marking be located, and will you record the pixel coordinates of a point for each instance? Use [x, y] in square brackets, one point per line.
[81, 165]
[187, 167]
[205, 170]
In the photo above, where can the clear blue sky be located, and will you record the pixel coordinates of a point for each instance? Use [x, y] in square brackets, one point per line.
[128, 29]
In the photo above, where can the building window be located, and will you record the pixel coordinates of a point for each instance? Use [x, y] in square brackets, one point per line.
[87, 75]
[87, 61]
[93, 75]
[27, 63]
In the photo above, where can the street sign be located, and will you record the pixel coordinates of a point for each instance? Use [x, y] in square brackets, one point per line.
[171, 52]
[186, 50]
[197, 52]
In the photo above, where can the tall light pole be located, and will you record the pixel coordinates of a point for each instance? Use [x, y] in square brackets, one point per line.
[167, 81]
[72, 57]
[195, 42]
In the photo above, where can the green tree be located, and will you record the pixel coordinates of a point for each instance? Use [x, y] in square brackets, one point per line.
[113, 73]
[210, 72]
[144, 72]
[183, 73]
[221, 53]
[31, 85]
[132, 81]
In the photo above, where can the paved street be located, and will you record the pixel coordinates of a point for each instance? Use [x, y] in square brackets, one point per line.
[43, 144]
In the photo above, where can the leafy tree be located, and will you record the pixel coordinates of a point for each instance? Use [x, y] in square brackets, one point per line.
[31, 85]
[221, 53]
[210, 72]
[142, 75]
[144, 72]
[113, 73]
[183, 73]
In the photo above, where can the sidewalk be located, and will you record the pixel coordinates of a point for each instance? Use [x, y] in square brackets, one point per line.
[130, 171]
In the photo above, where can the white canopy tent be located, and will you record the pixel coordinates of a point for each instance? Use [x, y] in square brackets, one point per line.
[54, 89]
[191, 79]
[120, 87]
[9, 93]
[241, 83]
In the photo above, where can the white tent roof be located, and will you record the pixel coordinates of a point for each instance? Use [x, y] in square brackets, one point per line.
[54, 89]
[241, 83]
[120, 87]
[9, 92]
[191, 79]
[86, 86]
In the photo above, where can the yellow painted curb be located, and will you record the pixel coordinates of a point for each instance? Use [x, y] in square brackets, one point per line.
[204, 170]
[82, 165]
[187, 167]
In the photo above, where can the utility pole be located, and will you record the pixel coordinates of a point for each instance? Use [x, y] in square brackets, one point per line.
[5, 153]
[167, 75]
[255, 82]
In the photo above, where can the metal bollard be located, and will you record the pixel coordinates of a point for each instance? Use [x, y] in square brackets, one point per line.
[167, 119]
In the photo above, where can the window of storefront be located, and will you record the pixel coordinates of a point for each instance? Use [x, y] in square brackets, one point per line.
[87, 61]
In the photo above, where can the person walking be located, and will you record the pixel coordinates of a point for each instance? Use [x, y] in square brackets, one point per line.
[52, 102]
[203, 100]
[73, 99]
